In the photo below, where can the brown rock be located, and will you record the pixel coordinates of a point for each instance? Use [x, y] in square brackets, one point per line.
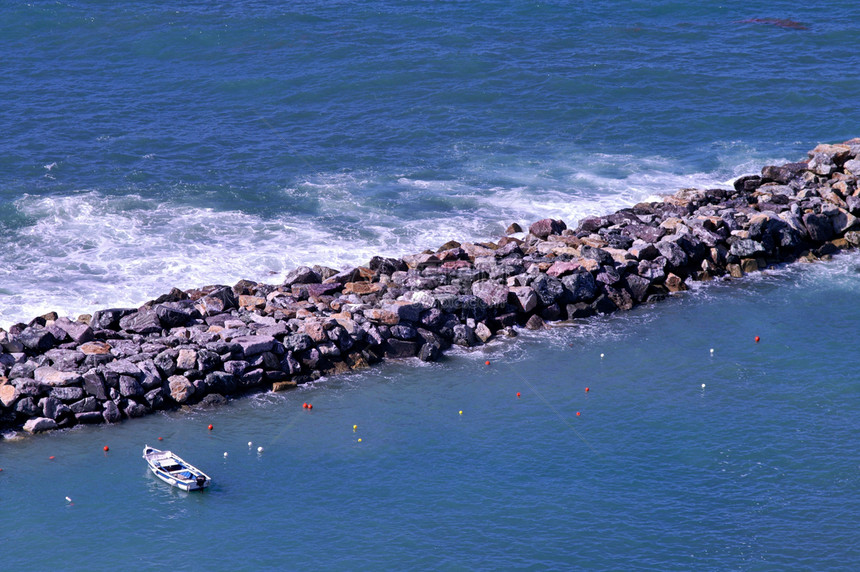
[674, 283]
[8, 395]
[362, 288]
[284, 385]
[94, 348]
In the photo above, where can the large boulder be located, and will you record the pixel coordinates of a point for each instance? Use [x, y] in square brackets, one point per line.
[142, 322]
[544, 228]
[109, 319]
[493, 294]
[181, 389]
[39, 424]
[819, 227]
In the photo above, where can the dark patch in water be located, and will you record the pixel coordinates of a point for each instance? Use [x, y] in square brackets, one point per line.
[779, 22]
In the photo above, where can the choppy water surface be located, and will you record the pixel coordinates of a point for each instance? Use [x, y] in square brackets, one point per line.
[148, 146]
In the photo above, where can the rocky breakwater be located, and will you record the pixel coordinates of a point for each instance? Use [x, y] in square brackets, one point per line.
[207, 344]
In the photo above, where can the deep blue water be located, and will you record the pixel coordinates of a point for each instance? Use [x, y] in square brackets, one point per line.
[146, 146]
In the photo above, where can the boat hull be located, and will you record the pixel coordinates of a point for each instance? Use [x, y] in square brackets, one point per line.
[174, 471]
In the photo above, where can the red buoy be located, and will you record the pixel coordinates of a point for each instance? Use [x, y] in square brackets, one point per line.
[161, 438]
[757, 339]
[210, 427]
[577, 413]
[107, 448]
[518, 394]
[51, 458]
[310, 406]
[487, 362]
[304, 405]
[586, 390]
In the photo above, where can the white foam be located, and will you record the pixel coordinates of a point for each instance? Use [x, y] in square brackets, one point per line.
[89, 250]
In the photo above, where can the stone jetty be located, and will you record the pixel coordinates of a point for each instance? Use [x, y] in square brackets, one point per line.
[206, 345]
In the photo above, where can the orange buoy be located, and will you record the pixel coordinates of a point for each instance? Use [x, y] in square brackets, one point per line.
[518, 394]
[304, 405]
[577, 413]
[107, 448]
[487, 362]
[210, 427]
[757, 339]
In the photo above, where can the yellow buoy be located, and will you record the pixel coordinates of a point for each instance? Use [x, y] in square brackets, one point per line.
[354, 427]
[461, 413]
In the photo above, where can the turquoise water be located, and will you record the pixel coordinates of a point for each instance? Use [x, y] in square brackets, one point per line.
[755, 471]
[148, 146]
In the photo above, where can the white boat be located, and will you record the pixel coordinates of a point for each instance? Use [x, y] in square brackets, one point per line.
[171, 469]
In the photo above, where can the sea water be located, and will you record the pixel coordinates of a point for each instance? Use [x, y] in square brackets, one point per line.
[148, 146]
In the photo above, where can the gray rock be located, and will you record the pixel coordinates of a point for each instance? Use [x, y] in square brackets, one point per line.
[302, 275]
[819, 227]
[181, 389]
[675, 256]
[493, 294]
[746, 248]
[27, 406]
[89, 417]
[111, 412]
[176, 314]
[85, 405]
[36, 339]
[94, 385]
[548, 289]
[579, 287]
[78, 332]
[524, 298]
[54, 408]
[852, 167]
[252, 345]
[109, 319]
[39, 424]
[142, 322]
[544, 228]
[134, 410]
[464, 335]
[67, 394]
[429, 352]
[129, 387]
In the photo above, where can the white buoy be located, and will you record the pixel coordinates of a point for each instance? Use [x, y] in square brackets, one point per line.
[250, 444]
[712, 350]
[703, 386]
[68, 499]
[601, 356]
[259, 449]
[225, 454]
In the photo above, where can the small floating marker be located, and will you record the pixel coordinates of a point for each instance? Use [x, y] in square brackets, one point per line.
[757, 339]
[518, 394]
[225, 454]
[703, 386]
[210, 427]
[107, 448]
[586, 390]
[51, 458]
[487, 362]
[577, 413]
[601, 356]
[359, 439]
[354, 427]
[712, 350]
[460, 414]
[259, 449]
[161, 438]
[304, 405]
[310, 406]
[68, 499]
